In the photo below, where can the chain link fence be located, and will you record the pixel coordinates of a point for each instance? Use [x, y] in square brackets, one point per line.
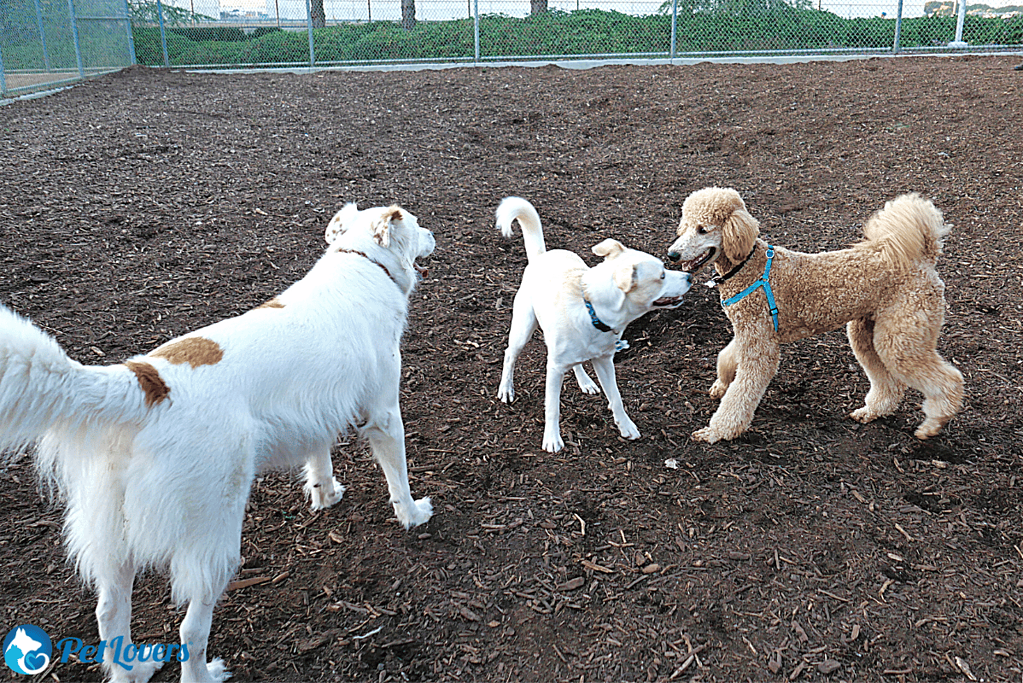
[50, 41]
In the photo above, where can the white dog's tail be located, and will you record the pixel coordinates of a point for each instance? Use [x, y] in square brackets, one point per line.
[907, 230]
[516, 208]
[41, 388]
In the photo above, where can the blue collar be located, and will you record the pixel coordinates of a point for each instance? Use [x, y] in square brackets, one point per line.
[762, 282]
[597, 322]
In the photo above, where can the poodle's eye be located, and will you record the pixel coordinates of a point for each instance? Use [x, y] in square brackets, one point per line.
[700, 230]
[662, 274]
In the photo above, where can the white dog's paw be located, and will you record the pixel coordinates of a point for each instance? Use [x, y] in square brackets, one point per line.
[324, 496]
[587, 385]
[218, 670]
[628, 429]
[140, 672]
[718, 389]
[506, 393]
[418, 513]
[552, 442]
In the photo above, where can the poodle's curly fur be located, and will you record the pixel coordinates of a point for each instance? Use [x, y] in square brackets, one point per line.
[885, 289]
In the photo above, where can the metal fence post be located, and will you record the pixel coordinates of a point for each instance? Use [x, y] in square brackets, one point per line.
[674, 27]
[476, 30]
[163, 33]
[131, 36]
[74, 33]
[958, 42]
[898, 29]
[42, 36]
[309, 25]
[3, 78]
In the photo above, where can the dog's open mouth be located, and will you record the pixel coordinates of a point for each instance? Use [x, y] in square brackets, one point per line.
[423, 272]
[668, 302]
[700, 261]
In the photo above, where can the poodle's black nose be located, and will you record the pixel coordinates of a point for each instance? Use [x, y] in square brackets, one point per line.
[673, 256]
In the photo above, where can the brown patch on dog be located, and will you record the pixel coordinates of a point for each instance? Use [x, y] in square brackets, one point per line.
[195, 351]
[272, 303]
[152, 384]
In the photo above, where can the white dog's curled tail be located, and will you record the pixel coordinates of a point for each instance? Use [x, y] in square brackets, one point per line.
[516, 208]
[42, 388]
[909, 229]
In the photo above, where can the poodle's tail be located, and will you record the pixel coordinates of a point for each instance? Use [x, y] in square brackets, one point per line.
[909, 229]
[42, 389]
[516, 208]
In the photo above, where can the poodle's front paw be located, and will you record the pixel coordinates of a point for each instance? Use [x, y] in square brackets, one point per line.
[140, 672]
[864, 415]
[506, 393]
[324, 495]
[707, 434]
[218, 670]
[930, 427]
[718, 389]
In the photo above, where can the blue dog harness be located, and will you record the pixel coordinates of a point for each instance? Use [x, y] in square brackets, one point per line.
[764, 282]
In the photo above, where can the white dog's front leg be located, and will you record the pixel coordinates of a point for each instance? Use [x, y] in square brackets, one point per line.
[605, 369]
[552, 442]
[386, 434]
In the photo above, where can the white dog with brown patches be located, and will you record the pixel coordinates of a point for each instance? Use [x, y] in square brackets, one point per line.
[155, 457]
[582, 311]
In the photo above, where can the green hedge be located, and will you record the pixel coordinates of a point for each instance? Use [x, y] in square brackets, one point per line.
[775, 26]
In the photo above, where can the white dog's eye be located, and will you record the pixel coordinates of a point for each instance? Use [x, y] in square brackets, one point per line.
[700, 230]
[662, 274]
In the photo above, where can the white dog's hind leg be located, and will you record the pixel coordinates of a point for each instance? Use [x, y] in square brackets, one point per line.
[113, 616]
[552, 442]
[522, 327]
[386, 434]
[320, 485]
[605, 369]
[195, 632]
[585, 383]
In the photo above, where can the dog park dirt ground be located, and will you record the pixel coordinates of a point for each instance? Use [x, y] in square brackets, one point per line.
[147, 203]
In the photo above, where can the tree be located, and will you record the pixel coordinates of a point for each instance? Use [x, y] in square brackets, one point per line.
[408, 14]
[317, 14]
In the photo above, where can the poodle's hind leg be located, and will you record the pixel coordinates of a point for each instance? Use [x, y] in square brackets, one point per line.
[886, 391]
[909, 352]
[726, 370]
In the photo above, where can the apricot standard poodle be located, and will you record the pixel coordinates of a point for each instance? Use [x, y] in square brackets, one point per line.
[885, 289]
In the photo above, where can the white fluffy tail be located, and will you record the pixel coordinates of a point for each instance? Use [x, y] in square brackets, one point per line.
[41, 388]
[516, 208]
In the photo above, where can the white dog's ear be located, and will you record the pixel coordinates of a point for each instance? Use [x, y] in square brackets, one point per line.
[738, 235]
[609, 248]
[340, 222]
[626, 278]
[382, 226]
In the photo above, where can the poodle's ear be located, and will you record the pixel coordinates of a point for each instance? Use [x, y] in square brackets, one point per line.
[739, 234]
[625, 278]
[382, 226]
[340, 222]
[609, 248]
